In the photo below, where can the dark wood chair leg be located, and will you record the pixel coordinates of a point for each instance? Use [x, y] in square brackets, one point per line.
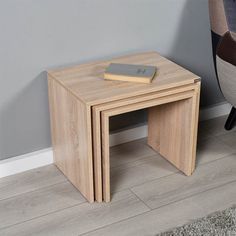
[231, 119]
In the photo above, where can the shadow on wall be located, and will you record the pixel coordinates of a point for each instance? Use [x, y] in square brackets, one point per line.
[17, 129]
[193, 50]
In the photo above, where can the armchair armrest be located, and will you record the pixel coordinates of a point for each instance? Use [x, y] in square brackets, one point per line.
[226, 49]
[226, 66]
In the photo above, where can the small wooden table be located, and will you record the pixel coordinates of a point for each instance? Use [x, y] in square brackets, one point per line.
[81, 102]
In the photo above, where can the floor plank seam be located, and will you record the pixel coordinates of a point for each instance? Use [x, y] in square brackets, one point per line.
[227, 132]
[41, 216]
[140, 199]
[149, 181]
[177, 172]
[200, 164]
[220, 158]
[198, 193]
[153, 209]
[39, 189]
[226, 144]
[122, 220]
[141, 158]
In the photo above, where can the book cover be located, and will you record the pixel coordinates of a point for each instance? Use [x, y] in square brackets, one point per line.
[130, 73]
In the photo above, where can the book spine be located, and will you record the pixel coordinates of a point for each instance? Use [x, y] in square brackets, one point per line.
[127, 78]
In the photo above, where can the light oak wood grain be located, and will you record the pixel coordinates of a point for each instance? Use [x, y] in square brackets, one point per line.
[71, 137]
[82, 218]
[87, 84]
[105, 159]
[97, 127]
[73, 93]
[194, 123]
[172, 131]
[97, 162]
[115, 111]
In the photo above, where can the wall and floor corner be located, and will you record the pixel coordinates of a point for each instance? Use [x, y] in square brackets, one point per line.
[36, 36]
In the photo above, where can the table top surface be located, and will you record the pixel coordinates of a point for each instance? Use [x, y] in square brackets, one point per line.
[86, 81]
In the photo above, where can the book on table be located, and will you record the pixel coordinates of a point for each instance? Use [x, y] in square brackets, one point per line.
[130, 73]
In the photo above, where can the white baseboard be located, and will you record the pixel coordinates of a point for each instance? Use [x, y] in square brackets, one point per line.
[44, 157]
[128, 135]
[26, 162]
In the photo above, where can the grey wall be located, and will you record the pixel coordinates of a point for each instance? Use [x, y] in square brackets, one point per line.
[37, 35]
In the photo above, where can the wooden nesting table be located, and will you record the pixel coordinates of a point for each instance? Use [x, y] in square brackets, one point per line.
[81, 103]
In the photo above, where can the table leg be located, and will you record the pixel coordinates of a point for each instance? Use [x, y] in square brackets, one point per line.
[120, 110]
[97, 154]
[71, 137]
[172, 131]
[106, 158]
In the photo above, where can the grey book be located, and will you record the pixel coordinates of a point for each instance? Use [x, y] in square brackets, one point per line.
[130, 73]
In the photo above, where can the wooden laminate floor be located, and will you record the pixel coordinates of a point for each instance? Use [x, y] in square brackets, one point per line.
[148, 194]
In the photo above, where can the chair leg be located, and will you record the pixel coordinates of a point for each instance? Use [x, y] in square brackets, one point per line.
[231, 119]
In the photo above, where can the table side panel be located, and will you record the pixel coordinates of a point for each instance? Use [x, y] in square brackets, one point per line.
[97, 127]
[120, 110]
[71, 137]
[174, 121]
[195, 115]
[105, 159]
[172, 131]
[97, 162]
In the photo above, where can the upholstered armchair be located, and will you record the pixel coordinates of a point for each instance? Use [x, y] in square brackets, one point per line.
[223, 31]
